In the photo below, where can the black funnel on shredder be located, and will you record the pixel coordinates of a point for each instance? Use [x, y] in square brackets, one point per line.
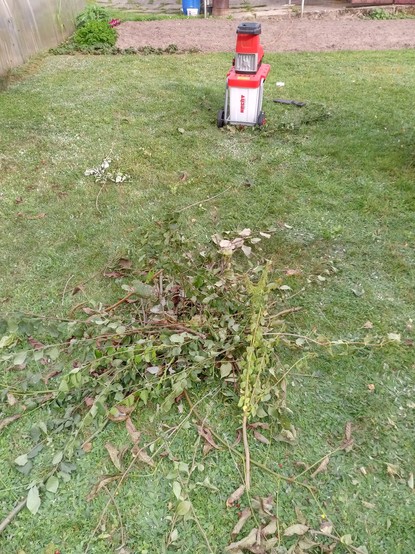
[249, 28]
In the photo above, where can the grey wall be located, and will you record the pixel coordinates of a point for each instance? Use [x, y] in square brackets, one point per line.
[30, 26]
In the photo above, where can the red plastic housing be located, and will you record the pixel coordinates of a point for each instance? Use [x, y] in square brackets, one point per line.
[251, 80]
[249, 44]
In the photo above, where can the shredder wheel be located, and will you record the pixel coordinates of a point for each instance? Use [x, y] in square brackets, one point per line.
[221, 118]
[261, 119]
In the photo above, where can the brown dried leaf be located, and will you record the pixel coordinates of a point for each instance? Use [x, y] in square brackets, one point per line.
[142, 455]
[35, 343]
[326, 527]
[206, 434]
[290, 272]
[238, 437]
[114, 455]
[296, 529]
[368, 325]
[259, 437]
[392, 470]
[243, 518]
[235, 496]
[263, 505]
[11, 399]
[322, 467]
[50, 375]
[132, 431]
[87, 447]
[258, 425]
[7, 420]
[78, 288]
[125, 263]
[246, 542]
[348, 431]
[207, 448]
[113, 274]
[270, 528]
[105, 480]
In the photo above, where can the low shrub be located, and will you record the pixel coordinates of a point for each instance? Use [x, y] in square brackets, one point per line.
[92, 12]
[95, 32]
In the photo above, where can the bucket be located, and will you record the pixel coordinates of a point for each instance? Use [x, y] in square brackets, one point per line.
[191, 7]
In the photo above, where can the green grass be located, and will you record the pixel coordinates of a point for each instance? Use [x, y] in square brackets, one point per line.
[339, 189]
[137, 15]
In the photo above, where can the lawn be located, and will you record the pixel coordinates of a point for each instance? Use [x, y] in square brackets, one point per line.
[331, 183]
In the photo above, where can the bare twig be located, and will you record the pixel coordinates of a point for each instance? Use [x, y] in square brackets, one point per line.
[247, 454]
[337, 539]
[120, 301]
[9, 518]
[66, 286]
[205, 200]
[119, 515]
[96, 199]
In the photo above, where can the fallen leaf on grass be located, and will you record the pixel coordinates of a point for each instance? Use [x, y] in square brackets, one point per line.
[291, 272]
[87, 447]
[114, 455]
[246, 542]
[392, 470]
[263, 505]
[132, 431]
[258, 425]
[206, 434]
[410, 481]
[235, 496]
[348, 442]
[35, 343]
[296, 529]
[368, 505]
[243, 518]
[11, 399]
[326, 527]
[142, 455]
[322, 467]
[50, 375]
[260, 438]
[7, 420]
[368, 325]
[105, 480]
[270, 528]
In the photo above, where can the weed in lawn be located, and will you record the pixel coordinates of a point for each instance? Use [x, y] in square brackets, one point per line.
[338, 193]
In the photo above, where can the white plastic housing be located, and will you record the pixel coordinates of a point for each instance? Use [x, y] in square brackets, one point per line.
[244, 104]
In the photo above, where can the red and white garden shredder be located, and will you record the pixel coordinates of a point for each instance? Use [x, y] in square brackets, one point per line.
[245, 80]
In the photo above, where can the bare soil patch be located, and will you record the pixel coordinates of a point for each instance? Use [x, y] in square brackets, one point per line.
[287, 35]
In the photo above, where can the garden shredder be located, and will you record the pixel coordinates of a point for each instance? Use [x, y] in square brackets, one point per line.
[245, 80]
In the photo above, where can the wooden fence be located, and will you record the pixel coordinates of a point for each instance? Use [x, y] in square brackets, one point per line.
[30, 26]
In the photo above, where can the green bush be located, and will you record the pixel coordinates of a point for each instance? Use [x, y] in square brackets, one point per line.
[92, 12]
[95, 32]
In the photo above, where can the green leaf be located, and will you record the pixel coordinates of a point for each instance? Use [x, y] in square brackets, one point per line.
[26, 469]
[57, 458]
[225, 370]
[20, 358]
[52, 484]
[33, 500]
[35, 451]
[177, 489]
[177, 339]
[346, 539]
[183, 508]
[21, 460]
[53, 353]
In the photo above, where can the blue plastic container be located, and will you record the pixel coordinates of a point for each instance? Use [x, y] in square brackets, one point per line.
[191, 5]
